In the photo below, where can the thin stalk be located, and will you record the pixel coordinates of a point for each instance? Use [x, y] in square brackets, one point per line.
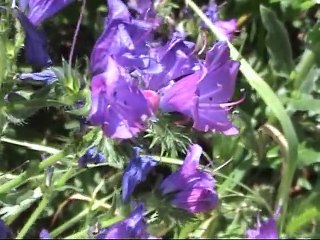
[304, 67]
[69, 223]
[23, 177]
[75, 36]
[35, 215]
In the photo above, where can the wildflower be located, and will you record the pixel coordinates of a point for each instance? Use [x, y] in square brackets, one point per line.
[40, 10]
[190, 188]
[117, 104]
[227, 27]
[45, 77]
[136, 172]
[44, 234]
[204, 95]
[91, 156]
[266, 230]
[124, 39]
[176, 60]
[132, 227]
[35, 43]
[5, 232]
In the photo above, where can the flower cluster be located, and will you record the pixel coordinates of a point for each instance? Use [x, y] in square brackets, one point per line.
[134, 76]
[131, 80]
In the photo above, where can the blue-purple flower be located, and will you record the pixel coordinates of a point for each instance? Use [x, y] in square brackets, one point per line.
[4, 230]
[124, 39]
[40, 10]
[44, 234]
[227, 27]
[117, 104]
[91, 156]
[190, 188]
[35, 43]
[176, 60]
[46, 77]
[136, 172]
[133, 227]
[204, 95]
[264, 230]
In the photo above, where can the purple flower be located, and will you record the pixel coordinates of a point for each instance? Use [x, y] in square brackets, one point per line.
[136, 172]
[35, 43]
[175, 58]
[4, 230]
[190, 188]
[266, 230]
[124, 39]
[117, 104]
[132, 227]
[45, 77]
[227, 27]
[91, 156]
[204, 95]
[40, 10]
[44, 234]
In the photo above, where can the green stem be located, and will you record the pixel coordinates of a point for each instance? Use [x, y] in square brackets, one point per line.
[271, 100]
[303, 68]
[23, 177]
[35, 215]
[69, 223]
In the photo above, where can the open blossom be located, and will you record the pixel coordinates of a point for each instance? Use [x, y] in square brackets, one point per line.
[117, 104]
[136, 172]
[190, 188]
[176, 60]
[40, 10]
[264, 230]
[132, 227]
[124, 39]
[227, 27]
[204, 95]
[35, 43]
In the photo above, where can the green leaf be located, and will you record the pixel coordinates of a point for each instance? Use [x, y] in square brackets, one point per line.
[277, 41]
[306, 104]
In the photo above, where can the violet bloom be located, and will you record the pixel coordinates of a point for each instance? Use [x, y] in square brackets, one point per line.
[204, 95]
[136, 172]
[40, 10]
[190, 188]
[117, 104]
[264, 230]
[91, 156]
[35, 43]
[176, 59]
[5, 232]
[44, 234]
[45, 77]
[132, 227]
[124, 39]
[227, 27]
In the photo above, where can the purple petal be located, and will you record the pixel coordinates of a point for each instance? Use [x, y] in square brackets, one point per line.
[141, 6]
[227, 27]
[44, 234]
[266, 230]
[117, 11]
[45, 77]
[4, 230]
[91, 156]
[196, 200]
[35, 43]
[131, 227]
[135, 172]
[40, 10]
